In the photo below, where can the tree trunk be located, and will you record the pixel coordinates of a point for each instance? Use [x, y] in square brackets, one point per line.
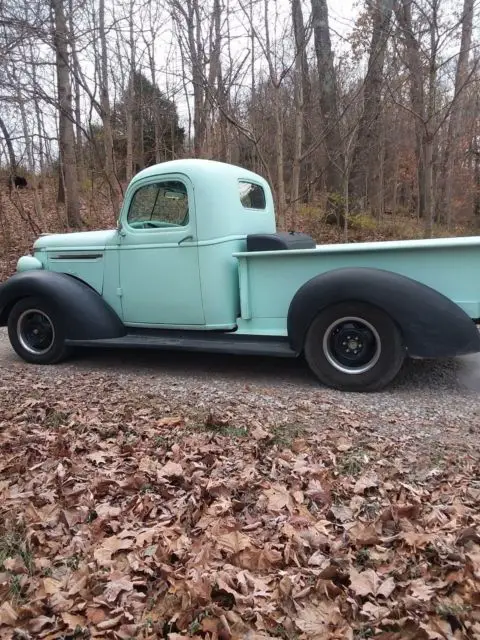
[8, 142]
[366, 164]
[451, 144]
[106, 114]
[78, 108]
[275, 85]
[417, 98]
[430, 124]
[328, 103]
[66, 138]
[131, 101]
[301, 78]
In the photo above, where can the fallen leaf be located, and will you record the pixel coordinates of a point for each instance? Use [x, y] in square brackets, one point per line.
[420, 590]
[73, 621]
[115, 587]
[171, 470]
[260, 434]
[173, 421]
[110, 623]
[367, 481]
[315, 620]
[342, 513]
[51, 586]
[110, 546]
[95, 615]
[279, 498]
[8, 616]
[233, 542]
[369, 582]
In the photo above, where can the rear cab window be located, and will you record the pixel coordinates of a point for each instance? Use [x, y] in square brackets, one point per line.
[252, 196]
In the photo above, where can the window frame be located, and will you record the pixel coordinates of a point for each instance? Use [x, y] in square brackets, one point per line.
[256, 184]
[155, 181]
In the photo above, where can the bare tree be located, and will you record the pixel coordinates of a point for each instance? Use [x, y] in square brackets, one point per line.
[417, 96]
[328, 101]
[68, 172]
[451, 143]
[11, 152]
[131, 95]
[106, 114]
[365, 179]
[302, 98]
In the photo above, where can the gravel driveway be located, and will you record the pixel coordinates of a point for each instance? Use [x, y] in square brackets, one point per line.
[430, 403]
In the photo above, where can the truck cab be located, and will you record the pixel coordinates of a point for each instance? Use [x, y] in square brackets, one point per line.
[170, 262]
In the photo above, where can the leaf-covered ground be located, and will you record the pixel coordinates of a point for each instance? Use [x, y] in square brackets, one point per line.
[124, 515]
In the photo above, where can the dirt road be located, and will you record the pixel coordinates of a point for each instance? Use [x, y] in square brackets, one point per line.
[437, 402]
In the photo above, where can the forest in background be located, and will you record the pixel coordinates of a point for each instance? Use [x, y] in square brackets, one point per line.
[376, 128]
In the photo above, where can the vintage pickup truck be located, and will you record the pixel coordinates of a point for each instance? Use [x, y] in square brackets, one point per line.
[196, 263]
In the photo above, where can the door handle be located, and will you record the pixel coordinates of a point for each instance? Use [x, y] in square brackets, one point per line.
[185, 239]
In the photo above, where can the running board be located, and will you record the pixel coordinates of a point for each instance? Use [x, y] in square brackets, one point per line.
[197, 341]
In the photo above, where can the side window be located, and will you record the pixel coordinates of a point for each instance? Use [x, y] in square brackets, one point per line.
[252, 196]
[159, 205]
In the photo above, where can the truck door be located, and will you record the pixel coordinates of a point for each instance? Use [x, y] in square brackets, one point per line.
[159, 267]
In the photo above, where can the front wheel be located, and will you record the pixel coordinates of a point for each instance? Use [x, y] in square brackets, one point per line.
[354, 347]
[35, 332]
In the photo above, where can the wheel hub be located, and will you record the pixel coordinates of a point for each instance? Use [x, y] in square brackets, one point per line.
[352, 345]
[35, 331]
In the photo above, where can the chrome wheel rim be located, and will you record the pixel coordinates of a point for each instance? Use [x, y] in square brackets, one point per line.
[352, 345]
[35, 331]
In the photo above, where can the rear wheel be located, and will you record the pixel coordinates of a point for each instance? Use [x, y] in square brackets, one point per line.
[354, 347]
[36, 333]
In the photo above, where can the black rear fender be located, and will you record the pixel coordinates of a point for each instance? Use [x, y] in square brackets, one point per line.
[83, 312]
[431, 324]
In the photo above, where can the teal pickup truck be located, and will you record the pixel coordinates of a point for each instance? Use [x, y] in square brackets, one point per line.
[196, 263]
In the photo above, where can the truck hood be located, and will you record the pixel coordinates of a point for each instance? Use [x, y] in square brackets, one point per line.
[83, 239]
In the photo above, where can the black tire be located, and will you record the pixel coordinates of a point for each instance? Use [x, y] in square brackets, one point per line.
[354, 355]
[36, 333]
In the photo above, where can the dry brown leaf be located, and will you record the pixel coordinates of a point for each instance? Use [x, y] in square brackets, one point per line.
[260, 434]
[59, 603]
[14, 565]
[363, 535]
[421, 591]
[279, 498]
[8, 616]
[110, 546]
[171, 470]
[173, 421]
[233, 542]
[374, 611]
[37, 624]
[342, 513]
[315, 620]
[115, 587]
[110, 623]
[52, 586]
[367, 481]
[96, 615]
[73, 621]
[369, 582]
[386, 588]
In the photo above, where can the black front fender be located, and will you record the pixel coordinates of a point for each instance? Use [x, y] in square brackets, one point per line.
[432, 325]
[83, 312]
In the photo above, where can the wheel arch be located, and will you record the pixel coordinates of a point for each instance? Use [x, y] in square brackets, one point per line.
[431, 324]
[83, 312]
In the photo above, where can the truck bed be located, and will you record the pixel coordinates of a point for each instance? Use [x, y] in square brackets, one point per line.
[269, 279]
